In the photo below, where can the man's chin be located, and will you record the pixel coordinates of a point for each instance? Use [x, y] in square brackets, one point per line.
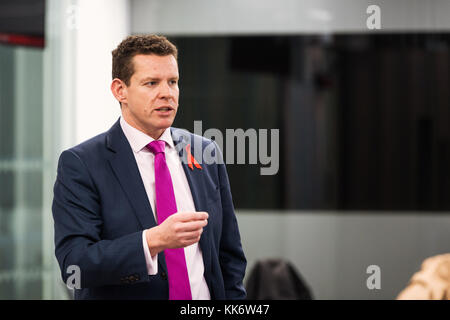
[162, 125]
[165, 124]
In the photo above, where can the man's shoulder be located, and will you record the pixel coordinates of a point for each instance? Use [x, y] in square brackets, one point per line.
[96, 145]
[92, 150]
[89, 153]
[91, 145]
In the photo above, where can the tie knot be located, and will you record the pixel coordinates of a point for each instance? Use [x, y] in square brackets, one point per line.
[156, 146]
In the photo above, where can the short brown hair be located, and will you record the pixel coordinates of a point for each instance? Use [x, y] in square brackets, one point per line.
[122, 66]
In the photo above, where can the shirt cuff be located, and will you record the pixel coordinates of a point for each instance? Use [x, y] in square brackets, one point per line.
[152, 262]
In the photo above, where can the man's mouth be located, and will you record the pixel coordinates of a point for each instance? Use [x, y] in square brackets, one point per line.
[164, 109]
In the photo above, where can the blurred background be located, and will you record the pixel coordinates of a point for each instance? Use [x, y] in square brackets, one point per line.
[363, 114]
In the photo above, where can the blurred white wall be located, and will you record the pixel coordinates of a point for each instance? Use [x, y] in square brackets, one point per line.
[101, 26]
[80, 35]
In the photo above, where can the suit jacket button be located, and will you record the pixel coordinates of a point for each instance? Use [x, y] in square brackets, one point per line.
[164, 275]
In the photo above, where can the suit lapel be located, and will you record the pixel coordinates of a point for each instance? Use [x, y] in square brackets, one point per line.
[124, 165]
[195, 178]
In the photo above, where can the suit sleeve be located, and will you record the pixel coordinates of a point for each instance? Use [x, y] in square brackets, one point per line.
[231, 255]
[78, 228]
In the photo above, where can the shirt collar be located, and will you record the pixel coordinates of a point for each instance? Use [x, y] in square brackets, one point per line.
[138, 139]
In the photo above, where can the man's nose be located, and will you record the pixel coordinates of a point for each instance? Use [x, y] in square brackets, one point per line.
[165, 91]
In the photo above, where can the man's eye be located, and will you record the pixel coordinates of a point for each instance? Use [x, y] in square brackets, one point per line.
[151, 83]
[173, 82]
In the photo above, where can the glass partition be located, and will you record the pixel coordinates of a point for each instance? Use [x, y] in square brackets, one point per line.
[21, 172]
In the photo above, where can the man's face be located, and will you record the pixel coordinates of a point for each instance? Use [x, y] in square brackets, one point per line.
[152, 95]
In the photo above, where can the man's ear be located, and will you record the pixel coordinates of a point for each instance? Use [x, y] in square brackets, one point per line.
[119, 90]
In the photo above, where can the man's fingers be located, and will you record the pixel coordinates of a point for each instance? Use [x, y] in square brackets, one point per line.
[192, 216]
[192, 237]
[184, 228]
[192, 225]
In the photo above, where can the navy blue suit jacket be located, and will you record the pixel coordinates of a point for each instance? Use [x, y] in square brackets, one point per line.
[100, 209]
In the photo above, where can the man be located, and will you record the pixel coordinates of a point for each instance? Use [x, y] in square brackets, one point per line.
[133, 209]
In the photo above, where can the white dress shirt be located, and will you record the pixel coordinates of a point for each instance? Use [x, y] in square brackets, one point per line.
[146, 163]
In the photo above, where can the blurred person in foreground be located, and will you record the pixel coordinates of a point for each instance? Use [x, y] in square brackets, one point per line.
[431, 282]
[133, 209]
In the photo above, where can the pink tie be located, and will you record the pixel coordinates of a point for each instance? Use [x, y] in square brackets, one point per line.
[179, 287]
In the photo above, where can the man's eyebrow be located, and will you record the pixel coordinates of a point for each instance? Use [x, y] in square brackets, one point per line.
[156, 78]
[150, 78]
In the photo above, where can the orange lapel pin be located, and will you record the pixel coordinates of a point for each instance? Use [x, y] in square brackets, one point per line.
[191, 160]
